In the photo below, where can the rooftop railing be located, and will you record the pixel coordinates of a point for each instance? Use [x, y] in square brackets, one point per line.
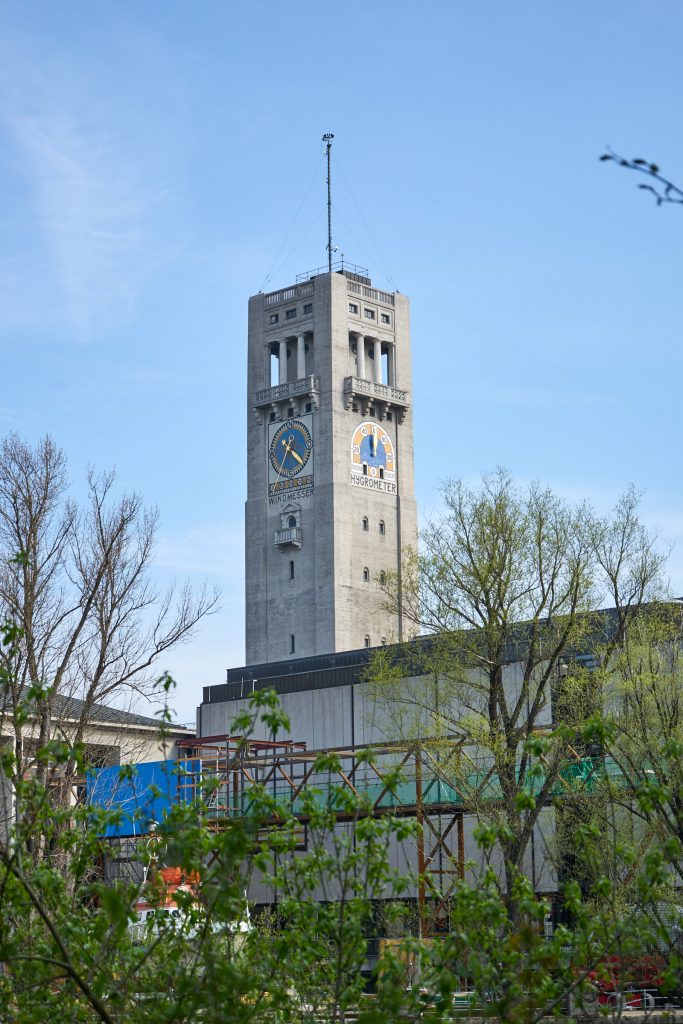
[297, 291]
[370, 293]
[340, 267]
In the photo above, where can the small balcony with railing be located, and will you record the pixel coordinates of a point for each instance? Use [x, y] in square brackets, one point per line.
[289, 536]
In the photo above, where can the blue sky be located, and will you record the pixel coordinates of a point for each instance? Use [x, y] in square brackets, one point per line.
[161, 161]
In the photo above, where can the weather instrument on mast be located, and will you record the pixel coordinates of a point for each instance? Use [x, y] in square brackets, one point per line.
[327, 139]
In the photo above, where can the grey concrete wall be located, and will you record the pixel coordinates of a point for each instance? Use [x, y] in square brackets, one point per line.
[320, 718]
[365, 713]
[328, 606]
[402, 857]
[360, 606]
[354, 716]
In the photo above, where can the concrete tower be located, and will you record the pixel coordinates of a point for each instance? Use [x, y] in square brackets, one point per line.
[330, 500]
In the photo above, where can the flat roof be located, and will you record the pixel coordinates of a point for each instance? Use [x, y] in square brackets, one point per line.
[342, 668]
[347, 668]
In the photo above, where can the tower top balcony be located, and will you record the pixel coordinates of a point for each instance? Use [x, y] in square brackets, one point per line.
[295, 291]
[349, 270]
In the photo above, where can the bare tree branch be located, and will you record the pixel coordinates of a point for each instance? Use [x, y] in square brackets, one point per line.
[665, 192]
[77, 583]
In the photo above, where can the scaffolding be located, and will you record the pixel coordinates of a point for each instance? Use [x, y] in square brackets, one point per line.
[402, 780]
[434, 782]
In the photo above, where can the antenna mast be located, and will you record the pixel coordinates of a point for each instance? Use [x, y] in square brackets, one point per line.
[327, 138]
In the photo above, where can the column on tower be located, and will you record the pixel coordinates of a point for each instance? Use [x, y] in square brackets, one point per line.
[300, 356]
[282, 363]
[378, 360]
[391, 365]
[360, 356]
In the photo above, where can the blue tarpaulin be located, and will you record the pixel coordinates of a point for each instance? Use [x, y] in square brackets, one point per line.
[143, 793]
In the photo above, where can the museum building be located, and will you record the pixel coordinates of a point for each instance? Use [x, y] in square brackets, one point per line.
[330, 509]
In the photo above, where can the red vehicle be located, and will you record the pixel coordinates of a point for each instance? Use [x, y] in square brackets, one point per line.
[629, 982]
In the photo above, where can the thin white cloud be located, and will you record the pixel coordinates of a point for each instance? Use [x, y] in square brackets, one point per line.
[90, 215]
[507, 394]
[219, 645]
[80, 246]
[7, 416]
[213, 550]
[207, 549]
[150, 375]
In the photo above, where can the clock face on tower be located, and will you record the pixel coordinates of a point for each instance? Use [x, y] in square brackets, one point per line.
[290, 448]
[372, 453]
[290, 456]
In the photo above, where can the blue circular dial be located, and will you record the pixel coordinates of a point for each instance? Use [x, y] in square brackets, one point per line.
[372, 452]
[290, 448]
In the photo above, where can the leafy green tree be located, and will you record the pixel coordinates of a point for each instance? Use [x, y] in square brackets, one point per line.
[642, 685]
[505, 591]
[68, 951]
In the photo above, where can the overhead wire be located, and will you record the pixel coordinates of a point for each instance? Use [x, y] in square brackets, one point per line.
[273, 270]
[348, 227]
[298, 242]
[378, 251]
[532, 356]
[510, 347]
